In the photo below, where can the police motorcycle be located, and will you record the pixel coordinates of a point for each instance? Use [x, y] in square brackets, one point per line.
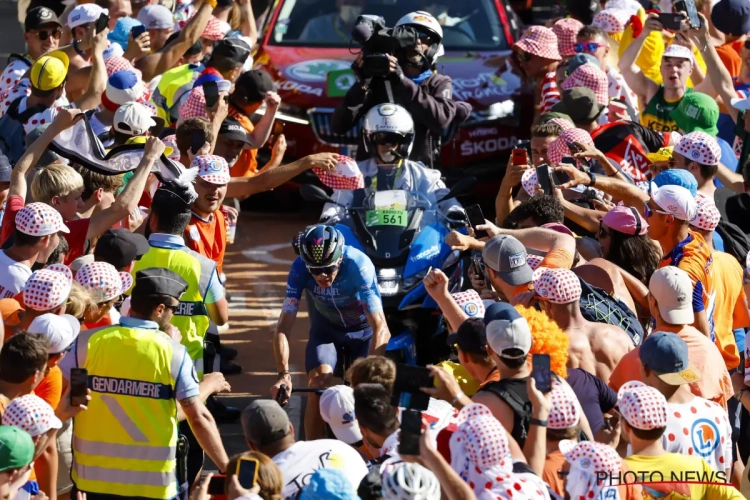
[403, 233]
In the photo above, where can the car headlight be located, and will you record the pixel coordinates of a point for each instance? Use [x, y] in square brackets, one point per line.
[413, 280]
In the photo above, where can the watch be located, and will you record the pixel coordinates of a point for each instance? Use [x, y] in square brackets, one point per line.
[536, 421]
[592, 176]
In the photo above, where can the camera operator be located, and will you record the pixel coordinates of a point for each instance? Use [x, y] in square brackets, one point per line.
[410, 81]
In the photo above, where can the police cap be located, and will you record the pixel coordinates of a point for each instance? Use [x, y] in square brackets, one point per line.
[159, 281]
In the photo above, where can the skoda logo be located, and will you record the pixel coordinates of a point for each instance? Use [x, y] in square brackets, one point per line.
[315, 70]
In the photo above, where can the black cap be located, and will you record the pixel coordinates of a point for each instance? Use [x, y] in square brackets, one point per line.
[159, 281]
[254, 84]
[39, 16]
[233, 49]
[264, 422]
[174, 196]
[470, 336]
[120, 247]
[232, 130]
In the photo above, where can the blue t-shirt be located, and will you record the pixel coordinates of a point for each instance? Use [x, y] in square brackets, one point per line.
[345, 304]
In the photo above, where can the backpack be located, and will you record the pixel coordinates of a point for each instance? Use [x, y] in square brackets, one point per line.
[599, 307]
[20, 57]
[12, 133]
[736, 242]
[521, 409]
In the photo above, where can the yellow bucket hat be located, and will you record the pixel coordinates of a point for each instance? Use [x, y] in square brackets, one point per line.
[139, 139]
[50, 71]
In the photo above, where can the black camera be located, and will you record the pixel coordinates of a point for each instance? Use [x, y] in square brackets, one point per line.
[378, 41]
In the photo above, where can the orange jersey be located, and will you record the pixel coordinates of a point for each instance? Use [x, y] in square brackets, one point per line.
[731, 306]
[246, 165]
[208, 237]
[694, 256]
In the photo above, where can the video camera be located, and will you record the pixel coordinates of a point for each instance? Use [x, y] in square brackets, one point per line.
[377, 41]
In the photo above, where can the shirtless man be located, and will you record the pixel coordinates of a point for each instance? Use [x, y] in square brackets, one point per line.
[594, 347]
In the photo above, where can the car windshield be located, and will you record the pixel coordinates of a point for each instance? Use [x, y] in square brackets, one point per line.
[466, 25]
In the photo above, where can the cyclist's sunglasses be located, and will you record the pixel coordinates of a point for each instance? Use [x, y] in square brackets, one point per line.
[386, 138]
[588, 47]
[43, 35]
[327, 270]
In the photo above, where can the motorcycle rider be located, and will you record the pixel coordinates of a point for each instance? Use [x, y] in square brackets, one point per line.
[388, 136]
[412, 83]
[346, 313]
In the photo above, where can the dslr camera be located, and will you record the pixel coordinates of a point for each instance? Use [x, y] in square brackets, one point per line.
[378, 41]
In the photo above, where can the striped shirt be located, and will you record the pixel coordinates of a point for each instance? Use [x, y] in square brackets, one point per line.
[550, 93]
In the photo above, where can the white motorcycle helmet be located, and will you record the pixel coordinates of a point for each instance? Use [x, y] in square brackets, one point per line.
[409, 481]
[426, 22]
[384, 120]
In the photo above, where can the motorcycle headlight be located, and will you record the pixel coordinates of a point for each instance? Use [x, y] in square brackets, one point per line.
[451, 259]
[415, 279]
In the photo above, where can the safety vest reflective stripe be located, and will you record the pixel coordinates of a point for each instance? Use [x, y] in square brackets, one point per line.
[131, 451]
[139, 478]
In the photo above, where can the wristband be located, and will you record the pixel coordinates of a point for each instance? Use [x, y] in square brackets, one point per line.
[536, 421]
[285, 372]
[591, 183]
[458, 396]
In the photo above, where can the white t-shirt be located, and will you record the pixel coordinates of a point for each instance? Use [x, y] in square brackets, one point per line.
[12, 74]
[700, 428]
[13, 276]
[303, 458]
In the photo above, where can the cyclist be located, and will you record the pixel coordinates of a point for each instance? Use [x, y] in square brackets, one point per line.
[388, 132]
[345, 312]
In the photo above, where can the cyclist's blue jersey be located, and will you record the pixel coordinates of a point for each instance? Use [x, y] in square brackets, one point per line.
[344, 304]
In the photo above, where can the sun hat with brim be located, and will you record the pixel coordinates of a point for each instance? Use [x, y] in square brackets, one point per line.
[50, 71]
[539, 41]
[590, 77]
[16, 448]
[558, 149]
[566, 30]
[625, 220]
[697, 112]
[580, 104]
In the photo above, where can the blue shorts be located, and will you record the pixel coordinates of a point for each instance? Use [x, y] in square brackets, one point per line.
[326, 346]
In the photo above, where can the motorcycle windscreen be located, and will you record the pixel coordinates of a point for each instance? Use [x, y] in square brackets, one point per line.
[387, 221]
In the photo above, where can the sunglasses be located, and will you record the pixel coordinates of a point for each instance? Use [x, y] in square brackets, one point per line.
[425, 38]
[386, 138]
[43, 35]
[327, 270]
[650, 211]
[524, 56]
[587, 47]
[172, 308]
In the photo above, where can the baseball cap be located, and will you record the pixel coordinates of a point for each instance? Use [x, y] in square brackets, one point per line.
[61, 331]
[10, 310]
[31, 414]
[50, 71]
[142, 139]
[697, 111]
[507, 256]
[156, 17]
[254, 84]
[642, 406]
[120, 35]
[731, 16]
[679, 51]
[264, 422]
[673, 290]
[667, 355]
[120, 247]
[233, 49]
[626, 220]
[132, 118]
[48, 157]
[559, 286]
[47, 288]
[85, 13]
[539, 41]
[40, 219]
[677, 177]
[675, 200]
[38, 17]
[470, 337]
[580, 104]
[507, 329]
[212, 169]
[699, 147]
[328, 484]
[232, 130]
[122, 87]
[337, 410]
[103, 281]
[16, 448]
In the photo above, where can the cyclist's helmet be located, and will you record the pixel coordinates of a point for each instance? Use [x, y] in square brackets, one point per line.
[388, 123]
[321, 246]
[409, 481]
[425, 23]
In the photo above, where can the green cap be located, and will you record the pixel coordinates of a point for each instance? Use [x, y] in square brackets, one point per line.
[697, 112]
[579, 103]
[551, 115]
[16, 448]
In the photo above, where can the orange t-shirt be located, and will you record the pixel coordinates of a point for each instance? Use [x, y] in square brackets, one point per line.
[553, 464]
[731, 306]
[50, 388]
[730, 58]
[247, 164]
[557, 258]
[208, 237]
[714, 384]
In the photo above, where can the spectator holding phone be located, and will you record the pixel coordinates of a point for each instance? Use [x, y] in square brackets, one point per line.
[269, 481]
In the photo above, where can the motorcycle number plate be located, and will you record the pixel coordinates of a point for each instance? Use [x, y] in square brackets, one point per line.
[386, 218]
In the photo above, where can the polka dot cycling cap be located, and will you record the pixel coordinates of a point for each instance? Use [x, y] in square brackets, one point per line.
[31, 414]
[470, 302]
[642, 406]
[40, 219]
[47, 288]
[590, 456]
[699, 147]
[707, 217]
[529, 181]
[565, 412]
[559, 286]
[103, 281]
[212, 169]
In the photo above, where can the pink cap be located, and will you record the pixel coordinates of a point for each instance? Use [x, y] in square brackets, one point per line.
[539, 41]
[346, 175]
[642, 406]
[47, 288]
[103, 281]
[40, 219]
[626, 220]
[590, 77]
[590, 456]
[565, 411]
[195, 105]
[470, 302]
[558, 149]
[566, 30]
[559, 286]
[31, 414]
[212, 169]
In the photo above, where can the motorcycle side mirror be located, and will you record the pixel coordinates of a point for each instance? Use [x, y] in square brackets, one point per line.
[314, 193]
[462, 187]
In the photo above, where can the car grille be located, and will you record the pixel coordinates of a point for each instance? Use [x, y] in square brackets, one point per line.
[320, 119]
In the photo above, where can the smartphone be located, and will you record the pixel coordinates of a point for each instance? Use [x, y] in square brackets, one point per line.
[562, 177]
[216, 486]
[197, 141]
[688, 7]
[79, 384]
[672, 21]
[476, 218]
[541, 372]
[411, 431]
[211, 91]
[406, 390]
[520, 157]
[247, 472]
[478, 263]
[102, 23]
[590, 194]
[278, 128]
[542, 175]
[137, 31]
[572, 147]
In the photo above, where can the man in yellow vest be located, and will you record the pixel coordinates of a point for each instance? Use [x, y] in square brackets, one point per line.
[125, 444]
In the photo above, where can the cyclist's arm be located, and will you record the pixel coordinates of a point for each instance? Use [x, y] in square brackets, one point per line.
[370, 297]
[380, 333]
[294, 287]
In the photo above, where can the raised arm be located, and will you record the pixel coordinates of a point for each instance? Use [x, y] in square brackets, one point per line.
[97, 83]
[436, 284]
[634, 77]
[619, 190]
[247, 17]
